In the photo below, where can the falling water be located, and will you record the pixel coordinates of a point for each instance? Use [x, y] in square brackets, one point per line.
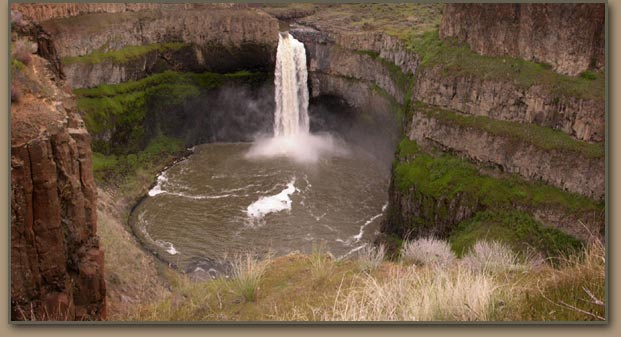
[291, 123]
[291, 115]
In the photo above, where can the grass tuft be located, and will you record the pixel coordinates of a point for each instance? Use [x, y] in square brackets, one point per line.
[427, 252]
[371, 257]
[455, 294]
[322, 262]
[247, 271]
[492, 257]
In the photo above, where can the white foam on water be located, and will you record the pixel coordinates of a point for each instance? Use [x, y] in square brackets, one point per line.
[168, 246]
[157, 189]
[162, 179]
[353, 251]
[358, 237]
[142, 225]
[270, 204]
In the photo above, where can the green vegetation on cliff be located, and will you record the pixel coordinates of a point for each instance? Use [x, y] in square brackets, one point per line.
[123, 55]
[446, 175]
[457, 59]
[115, 115]
[542, 137]
[108, 168]
[516, 229]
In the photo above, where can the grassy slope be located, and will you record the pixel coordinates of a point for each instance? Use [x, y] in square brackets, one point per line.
[445, 175]
[292, 288]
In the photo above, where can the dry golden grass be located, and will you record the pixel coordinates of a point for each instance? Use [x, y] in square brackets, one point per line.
[290, 289]
[132, 276]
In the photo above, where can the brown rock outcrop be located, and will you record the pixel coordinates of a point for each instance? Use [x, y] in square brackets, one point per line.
[519, 156]
[56, 263]
[504, 100]
[47, 11]
[570, 37]
[216, 38]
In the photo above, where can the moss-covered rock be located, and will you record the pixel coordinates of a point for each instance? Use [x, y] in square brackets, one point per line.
[124, 118]
[432, 192]
[516, 229]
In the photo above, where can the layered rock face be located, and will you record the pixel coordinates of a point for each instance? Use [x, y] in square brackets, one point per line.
[206, 37]
[581, 118]
[570, 37]
[57, 266]
[513, 154]
[46, 11]
[358, 77]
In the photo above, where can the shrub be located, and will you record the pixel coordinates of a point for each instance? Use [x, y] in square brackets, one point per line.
[427, 251]
[491, 257]
[371, 257]
[247, 271]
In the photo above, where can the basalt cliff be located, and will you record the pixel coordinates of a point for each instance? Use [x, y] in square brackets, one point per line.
[56, 261]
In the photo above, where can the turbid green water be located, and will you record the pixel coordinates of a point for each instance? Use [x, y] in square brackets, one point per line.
[218, 203]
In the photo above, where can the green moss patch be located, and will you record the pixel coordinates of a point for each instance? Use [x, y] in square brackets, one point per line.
[516, 229]
[457, 59]
[119, 168]
[115, 114]
[407, 148]
[542, 137]
[446, 175]
[123, 55]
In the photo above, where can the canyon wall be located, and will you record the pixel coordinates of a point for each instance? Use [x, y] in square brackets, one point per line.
[57, 266]
[580, 117]
[570, 37]
[96, 44]
[45, 11]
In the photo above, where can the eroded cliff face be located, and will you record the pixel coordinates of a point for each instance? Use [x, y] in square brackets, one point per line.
[579, 117]
[194, 37]
[512, 154]
[46, 11]
[56, 262]
[570, 37]
[361, 78]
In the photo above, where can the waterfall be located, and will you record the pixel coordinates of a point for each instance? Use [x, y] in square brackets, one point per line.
[291, 93]
[292, 137]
